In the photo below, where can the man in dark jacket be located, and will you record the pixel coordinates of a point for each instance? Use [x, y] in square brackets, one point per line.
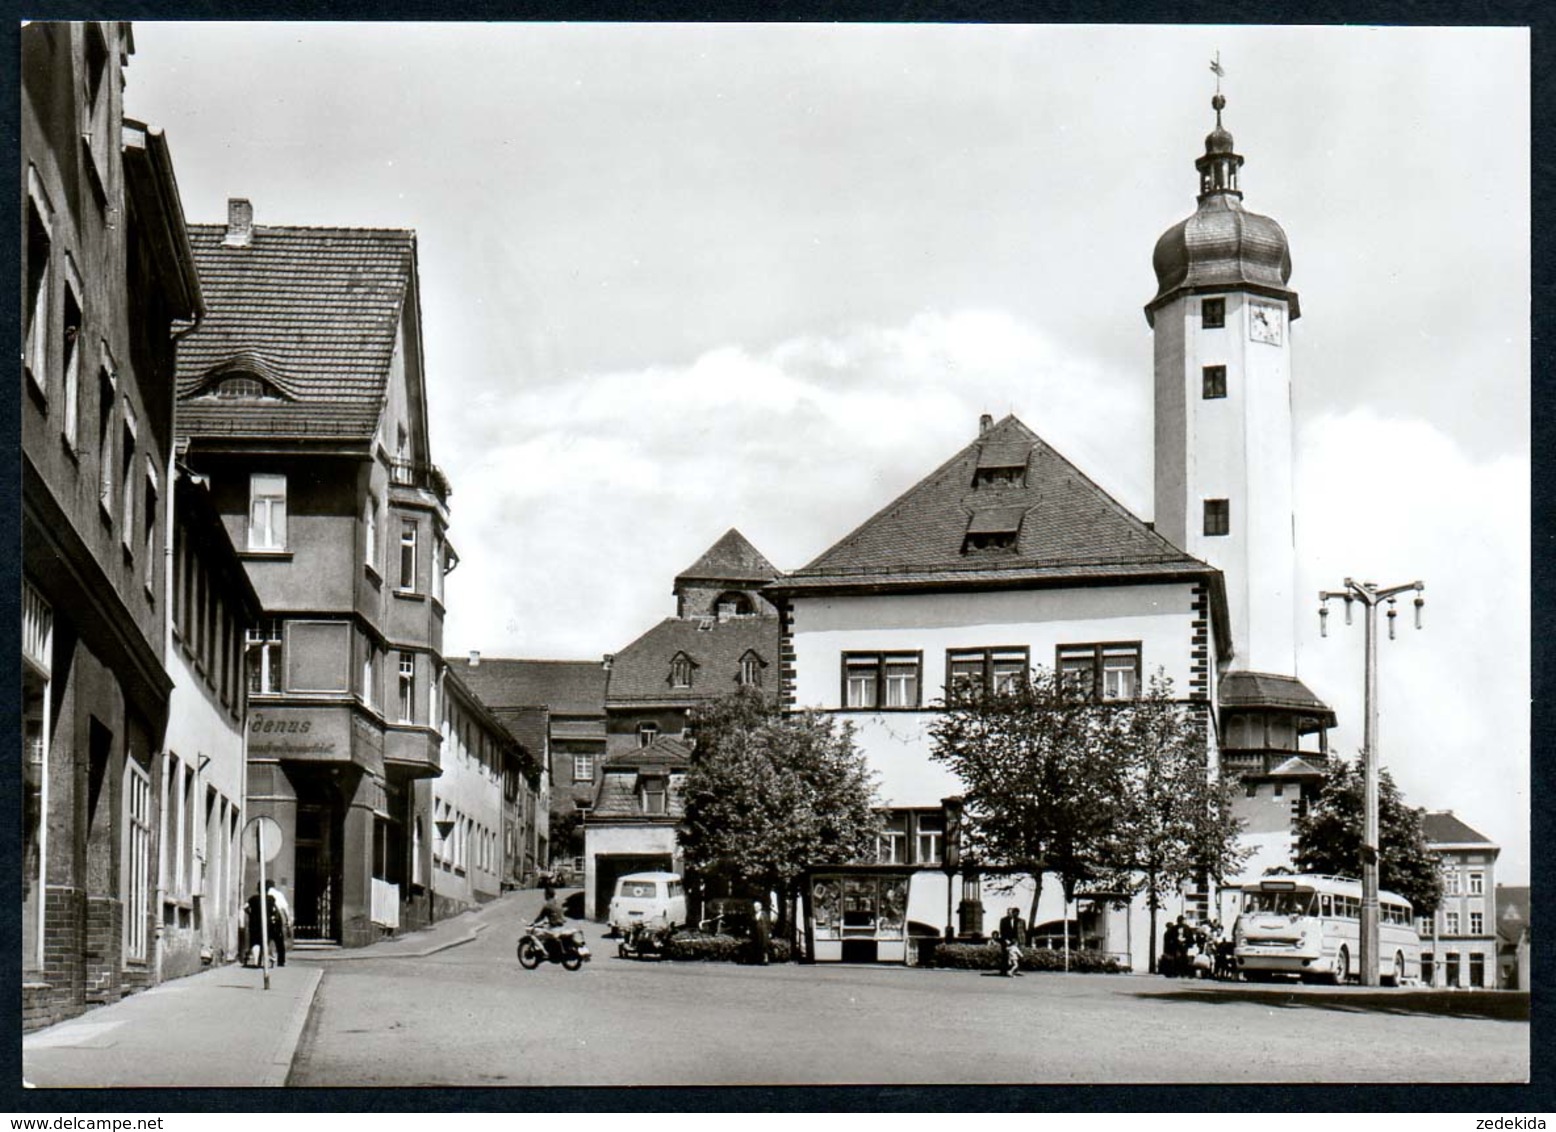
[1013, 937]
[275, 925]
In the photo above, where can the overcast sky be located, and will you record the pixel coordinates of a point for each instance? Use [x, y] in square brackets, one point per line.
[678, 278]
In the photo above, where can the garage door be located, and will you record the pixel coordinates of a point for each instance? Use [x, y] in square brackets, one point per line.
[609, 866]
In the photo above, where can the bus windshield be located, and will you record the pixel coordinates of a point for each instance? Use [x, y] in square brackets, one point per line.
[1280, 903]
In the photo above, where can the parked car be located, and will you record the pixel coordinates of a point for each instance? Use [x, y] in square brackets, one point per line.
[648, 898]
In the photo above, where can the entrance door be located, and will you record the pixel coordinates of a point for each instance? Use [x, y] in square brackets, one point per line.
[316, 910]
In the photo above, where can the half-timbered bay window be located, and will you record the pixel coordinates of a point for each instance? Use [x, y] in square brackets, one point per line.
[881, 679]
[969, 672]
[1103, 671]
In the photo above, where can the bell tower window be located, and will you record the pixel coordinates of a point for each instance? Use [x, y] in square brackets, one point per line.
[1218, 517]
[1212, 313]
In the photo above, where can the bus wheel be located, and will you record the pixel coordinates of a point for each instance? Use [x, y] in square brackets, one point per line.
[1342, 967]
[1397, 978]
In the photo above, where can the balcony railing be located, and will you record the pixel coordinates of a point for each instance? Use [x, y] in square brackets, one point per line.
[424, 477]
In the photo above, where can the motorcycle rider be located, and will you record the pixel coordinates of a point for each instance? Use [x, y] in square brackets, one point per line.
[547, 926]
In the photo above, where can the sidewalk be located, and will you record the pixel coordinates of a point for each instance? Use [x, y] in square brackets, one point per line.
[219, 1028]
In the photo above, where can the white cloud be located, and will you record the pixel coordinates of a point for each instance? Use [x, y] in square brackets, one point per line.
[1390, 501]
[578, 502]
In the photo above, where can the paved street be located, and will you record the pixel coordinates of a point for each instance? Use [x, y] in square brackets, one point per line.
[471, 1016]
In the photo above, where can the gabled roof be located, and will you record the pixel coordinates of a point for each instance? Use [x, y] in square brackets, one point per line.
[566, 687]
[313, 310]
[664, 753]
[1512, 911]
[1069, 529]
[640, 672]
[731, 559]
[1442, 828]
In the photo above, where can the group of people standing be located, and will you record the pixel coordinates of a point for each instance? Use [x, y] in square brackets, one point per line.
[1196, 951]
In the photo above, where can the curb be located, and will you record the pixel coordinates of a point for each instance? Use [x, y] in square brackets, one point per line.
[366, 953]
[280, 1064]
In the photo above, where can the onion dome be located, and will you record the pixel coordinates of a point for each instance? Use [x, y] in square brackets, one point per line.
[1223, 246]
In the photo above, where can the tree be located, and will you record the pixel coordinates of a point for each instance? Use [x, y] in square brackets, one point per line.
[1040, 786]
[1177, 822]
[1329, 837]
[769, 794]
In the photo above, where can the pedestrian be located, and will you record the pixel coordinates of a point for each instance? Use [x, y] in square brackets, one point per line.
[1169, 963]
[273, 924]
[1013, 936]
[284, 907]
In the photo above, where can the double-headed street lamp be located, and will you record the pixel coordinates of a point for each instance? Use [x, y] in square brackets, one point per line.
[1369, 595]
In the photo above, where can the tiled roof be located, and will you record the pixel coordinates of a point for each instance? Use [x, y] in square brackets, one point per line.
[731, 559]
[527, 725]
[314, 311]
[1070, 529]
[1442, 828]
[641, 671]
[1266, 689]
[566, 687]
[617, 797]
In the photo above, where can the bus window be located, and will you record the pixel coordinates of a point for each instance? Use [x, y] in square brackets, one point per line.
[1281, 903]
[1325, 905]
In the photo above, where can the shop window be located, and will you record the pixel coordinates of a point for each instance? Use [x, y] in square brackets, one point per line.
[1477, 970]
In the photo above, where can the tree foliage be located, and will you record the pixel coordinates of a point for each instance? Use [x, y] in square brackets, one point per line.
[1329, 837]
[1111, 796]
[770, 793]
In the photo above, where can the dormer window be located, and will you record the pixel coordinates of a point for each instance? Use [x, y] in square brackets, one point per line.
[994, 530]
[240, 389]
[653, 793]
[1002, 464]
[681, 667]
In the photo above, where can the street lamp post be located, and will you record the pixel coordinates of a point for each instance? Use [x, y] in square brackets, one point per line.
[1370, 596]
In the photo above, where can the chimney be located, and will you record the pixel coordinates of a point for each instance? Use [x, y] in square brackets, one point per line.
[610, 659]
[475, 658]
[240, 223]
[985, 423]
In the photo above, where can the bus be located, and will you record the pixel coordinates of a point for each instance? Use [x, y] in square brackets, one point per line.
[1310, 926]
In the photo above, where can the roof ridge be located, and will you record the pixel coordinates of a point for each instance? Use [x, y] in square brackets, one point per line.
[313, 229]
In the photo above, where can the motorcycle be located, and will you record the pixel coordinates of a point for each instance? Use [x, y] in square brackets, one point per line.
[565, 947]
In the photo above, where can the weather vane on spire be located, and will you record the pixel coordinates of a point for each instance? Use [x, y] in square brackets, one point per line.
[1215, 65]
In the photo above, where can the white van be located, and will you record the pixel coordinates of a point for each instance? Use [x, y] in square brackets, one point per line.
[658, 899]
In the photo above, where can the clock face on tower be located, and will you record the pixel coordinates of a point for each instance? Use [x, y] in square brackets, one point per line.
[1264, 322]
